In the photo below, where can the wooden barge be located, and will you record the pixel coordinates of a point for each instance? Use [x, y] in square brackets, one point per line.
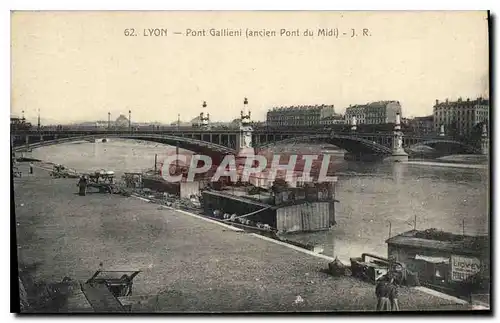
[300, 209]
[183, 189]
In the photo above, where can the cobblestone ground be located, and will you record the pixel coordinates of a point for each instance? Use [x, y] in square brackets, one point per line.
[190, 264]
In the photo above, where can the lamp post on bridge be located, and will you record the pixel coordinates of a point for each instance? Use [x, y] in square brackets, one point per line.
[129, 121]
[39, 120]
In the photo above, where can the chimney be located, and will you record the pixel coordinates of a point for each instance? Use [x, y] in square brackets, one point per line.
[437, 101]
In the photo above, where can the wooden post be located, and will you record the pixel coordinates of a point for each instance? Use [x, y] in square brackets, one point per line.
[415, 223]
[155, 161]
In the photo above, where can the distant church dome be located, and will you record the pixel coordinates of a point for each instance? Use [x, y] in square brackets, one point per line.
[196, 121]
[121, 121]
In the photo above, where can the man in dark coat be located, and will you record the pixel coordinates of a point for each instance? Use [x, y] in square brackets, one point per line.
[393, 295]
[382, 292]
[82, 185]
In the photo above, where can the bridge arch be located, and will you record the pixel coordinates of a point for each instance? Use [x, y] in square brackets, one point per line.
[435, 143]
[352, 144]
[195, 145]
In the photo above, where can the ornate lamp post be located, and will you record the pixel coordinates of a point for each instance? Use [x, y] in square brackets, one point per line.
[38, 119]
[129, 120]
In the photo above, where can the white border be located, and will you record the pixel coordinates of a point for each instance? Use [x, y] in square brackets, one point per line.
[195, 5]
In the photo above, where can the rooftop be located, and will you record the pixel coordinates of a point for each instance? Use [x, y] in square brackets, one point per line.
[302, 107]
[435, 239]
[460, 101]
[374, 104]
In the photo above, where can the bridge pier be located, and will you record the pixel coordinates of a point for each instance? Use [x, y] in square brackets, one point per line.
[398, 153]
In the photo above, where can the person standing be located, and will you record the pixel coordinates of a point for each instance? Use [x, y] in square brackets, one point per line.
[82, 185]
[393, 295]
[31, 168]
[382, 293]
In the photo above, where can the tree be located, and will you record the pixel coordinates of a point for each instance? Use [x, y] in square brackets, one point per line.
[475, 135]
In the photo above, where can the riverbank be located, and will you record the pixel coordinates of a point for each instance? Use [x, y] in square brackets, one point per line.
[465, 159]
[191, 264]
[447, 164]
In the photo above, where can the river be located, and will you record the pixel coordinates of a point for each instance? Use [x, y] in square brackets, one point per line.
[373, 196]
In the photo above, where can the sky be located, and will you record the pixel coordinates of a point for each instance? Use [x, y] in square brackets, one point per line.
[78, 66]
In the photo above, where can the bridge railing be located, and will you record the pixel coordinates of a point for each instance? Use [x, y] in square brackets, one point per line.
[145, 136]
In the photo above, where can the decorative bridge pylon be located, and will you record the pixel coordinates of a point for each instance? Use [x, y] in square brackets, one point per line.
[398, 153]
[353, 123]
[204, 116]
[244, 143]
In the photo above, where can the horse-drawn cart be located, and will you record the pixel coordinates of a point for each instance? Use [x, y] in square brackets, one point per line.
[104, 181]
[61, 171]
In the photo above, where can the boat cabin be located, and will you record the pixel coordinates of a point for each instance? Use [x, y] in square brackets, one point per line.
[444, 261]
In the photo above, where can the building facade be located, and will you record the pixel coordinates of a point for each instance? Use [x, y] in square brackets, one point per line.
[331, 120]
[297, 116]
[422, 125]
[380, 112]
[19, 124]
[357, 111]
[460, 116]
